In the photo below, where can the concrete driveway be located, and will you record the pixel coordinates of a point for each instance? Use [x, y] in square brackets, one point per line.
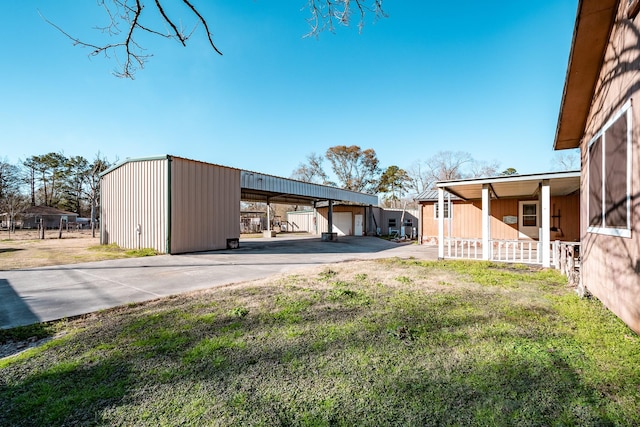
[49, 293]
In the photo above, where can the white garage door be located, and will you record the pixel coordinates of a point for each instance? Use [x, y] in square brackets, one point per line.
[342, 223]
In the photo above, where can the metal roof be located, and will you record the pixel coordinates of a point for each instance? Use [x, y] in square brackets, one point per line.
[259, 187]
[560, 183]
[431, 195]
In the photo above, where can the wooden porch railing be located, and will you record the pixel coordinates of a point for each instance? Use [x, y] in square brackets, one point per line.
[566, 258]
[523, 251]
[463, 248]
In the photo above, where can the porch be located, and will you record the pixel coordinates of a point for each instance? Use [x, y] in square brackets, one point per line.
[541, 249]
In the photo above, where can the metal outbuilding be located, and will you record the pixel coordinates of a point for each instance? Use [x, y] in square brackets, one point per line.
[178, 205]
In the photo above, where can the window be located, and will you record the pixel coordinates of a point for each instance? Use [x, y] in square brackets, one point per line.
[529, 215]
[408, 222]
[609, 173]
[448, 210]
[392, 222]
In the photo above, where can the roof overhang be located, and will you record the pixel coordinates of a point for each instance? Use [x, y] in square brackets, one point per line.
[514, 186]
[258, 187]
[594, 21]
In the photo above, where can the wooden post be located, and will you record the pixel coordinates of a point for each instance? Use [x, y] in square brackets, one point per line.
[486, 222]
[545, 220]
[60, 229]
[441, 224]
[41, 229]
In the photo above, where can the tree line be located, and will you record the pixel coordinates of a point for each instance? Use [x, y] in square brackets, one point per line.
[359, 170]
[68, 183]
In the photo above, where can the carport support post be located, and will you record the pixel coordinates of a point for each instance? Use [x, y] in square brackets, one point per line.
[268, 215]
[486, 222]
[545, 235]
[440, 223]
[330, 217]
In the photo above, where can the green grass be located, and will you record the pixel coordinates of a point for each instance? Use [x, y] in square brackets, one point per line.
[119, 252]
[406, 343]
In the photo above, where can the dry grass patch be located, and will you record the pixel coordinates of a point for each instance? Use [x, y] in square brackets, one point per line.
[24, 250]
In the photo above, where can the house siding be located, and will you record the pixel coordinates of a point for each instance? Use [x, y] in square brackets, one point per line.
[611, 265]
[467, 219]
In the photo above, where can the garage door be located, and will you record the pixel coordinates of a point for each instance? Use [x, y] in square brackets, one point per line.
[342, 223]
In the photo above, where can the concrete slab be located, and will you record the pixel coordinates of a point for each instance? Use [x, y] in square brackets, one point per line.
[50, 293]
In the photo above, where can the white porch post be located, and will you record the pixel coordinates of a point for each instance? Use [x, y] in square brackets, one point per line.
[545, 233]
[486, 222]
[440, 223]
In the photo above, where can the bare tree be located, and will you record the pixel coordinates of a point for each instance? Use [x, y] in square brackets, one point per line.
[566, 160]
[92, 187]
[448, 165]
[326, 13]
[127, 19]
[11, 200]
[419, 178]
[312, 171]
[483, 169]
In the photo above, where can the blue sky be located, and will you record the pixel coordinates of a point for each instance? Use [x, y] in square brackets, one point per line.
[481, 77]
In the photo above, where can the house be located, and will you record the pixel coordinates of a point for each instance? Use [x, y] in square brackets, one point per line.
[504, 218]
[33, 216]
[599, 114]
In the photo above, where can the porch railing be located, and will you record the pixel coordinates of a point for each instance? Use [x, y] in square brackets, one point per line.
[523, 251]
[566, 258]
[463, 248]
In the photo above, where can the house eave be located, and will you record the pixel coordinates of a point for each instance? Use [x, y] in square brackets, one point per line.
[594, 22]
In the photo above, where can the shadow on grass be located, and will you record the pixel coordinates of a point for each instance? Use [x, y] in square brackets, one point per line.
[6, 250]
[66, 394]
[320, 364]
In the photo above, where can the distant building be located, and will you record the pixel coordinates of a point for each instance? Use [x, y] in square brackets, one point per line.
[50, 217]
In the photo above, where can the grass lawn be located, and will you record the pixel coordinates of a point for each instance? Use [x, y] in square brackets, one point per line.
[392, 342]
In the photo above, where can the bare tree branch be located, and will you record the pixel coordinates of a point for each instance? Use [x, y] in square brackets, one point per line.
[204, 24]
[325, 12]
[128, 13]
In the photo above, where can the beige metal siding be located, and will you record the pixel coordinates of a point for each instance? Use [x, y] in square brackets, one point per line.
[133, 194]
[302, 221]
[323, 212]
[205, 205]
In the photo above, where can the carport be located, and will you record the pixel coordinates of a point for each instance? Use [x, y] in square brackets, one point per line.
[177, 205]
[258, 187]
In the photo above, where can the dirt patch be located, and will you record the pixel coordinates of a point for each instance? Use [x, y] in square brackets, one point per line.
[23, 249]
